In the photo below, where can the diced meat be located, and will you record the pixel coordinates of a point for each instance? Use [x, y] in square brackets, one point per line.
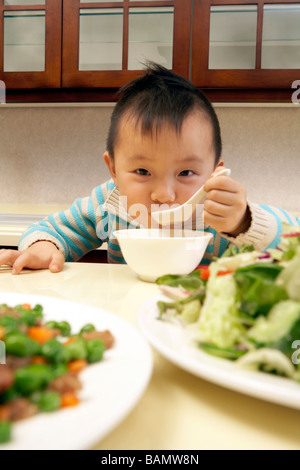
[21, 408]
[7, 378]
[2, 332]
[105, 336]
[15, 362]
[4, 413]
[23, 328]
[54, 332]
[4, 311]
[66, 383]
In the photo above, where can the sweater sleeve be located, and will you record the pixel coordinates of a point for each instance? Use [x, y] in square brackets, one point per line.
[76, 231]
[266, 227]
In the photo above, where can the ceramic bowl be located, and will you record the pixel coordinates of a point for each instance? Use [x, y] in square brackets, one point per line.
[151, 253]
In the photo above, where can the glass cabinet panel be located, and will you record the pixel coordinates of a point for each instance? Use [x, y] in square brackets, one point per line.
[24, 41]
[24, 2]
[232, 40]
[106, 44]
[281, 36]
[150, 36]
[100, 39]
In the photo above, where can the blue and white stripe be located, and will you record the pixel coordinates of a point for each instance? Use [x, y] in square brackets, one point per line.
[91, 221]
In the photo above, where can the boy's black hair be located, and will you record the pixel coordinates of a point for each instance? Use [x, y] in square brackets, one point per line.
[161, 97]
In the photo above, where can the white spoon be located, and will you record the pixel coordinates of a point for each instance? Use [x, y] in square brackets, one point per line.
[181, 213]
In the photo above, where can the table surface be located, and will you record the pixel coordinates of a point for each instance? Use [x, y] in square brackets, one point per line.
[178, 411]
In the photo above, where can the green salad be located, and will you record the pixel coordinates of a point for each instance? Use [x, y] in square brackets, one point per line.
[244, 306]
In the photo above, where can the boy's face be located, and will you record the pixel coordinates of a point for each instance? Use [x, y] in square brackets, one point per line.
[166, 168]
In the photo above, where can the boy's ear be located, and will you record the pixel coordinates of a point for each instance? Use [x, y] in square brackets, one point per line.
[220, 162]
[111, 166]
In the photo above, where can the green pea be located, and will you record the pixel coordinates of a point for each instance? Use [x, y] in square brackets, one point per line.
[38, 311]
[87, 328]
[65, 328]
[33, 377]
[31, 317]
[51, 324]
[9, 395]
[19, 344]
[52, 350]
[95, 350]
[9, 323]
[48, 400]
[59, 369]
[75, 350]
[5, 431]
[26, 316]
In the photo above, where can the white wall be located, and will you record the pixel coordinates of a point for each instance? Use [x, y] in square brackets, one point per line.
[51, 155]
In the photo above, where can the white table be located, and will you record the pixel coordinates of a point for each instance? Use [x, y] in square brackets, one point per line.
[178, 411]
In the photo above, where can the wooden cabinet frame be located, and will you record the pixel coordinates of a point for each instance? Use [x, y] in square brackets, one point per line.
[62, 81]
[257, 78]
[72, 77]
[51, 76]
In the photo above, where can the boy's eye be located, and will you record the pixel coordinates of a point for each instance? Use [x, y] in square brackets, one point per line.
[142, 171]
[186, 173]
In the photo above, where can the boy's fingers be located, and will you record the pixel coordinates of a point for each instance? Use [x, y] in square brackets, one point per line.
[32, 260]
[8, 257]
[57, 262]
[28, 260]
[20, 263]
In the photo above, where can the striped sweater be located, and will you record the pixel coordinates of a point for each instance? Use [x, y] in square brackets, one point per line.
[91, 221]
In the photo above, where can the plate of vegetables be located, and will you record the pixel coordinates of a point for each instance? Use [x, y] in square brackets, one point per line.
[69, 372]
[235, 322]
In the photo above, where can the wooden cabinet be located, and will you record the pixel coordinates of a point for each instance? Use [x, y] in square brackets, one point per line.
[104, 44]
[71, 44]
[30, 40]
[72, 50]
[238, 44]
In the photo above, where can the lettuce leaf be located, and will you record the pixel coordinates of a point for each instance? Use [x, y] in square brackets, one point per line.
[219, 322]
[233, 250]
[188, 308]
[277, 325]
[190, 282]
[289, 278]
[257, 291]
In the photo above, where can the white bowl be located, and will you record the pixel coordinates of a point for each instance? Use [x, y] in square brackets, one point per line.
[151, 253]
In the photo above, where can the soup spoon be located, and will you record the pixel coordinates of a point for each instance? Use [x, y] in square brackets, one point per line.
[184, 211]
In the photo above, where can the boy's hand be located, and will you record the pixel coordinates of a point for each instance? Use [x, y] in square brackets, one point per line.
[225, 207]
[40, 255]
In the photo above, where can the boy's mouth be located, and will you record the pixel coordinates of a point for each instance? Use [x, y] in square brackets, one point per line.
[163, 207]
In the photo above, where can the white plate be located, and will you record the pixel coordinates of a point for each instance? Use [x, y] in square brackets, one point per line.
[111, 388]
[171, 341]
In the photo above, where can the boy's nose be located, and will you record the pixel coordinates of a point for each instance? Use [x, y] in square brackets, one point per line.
[163, 194]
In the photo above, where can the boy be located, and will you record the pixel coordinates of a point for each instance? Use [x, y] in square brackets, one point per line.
[164, 142]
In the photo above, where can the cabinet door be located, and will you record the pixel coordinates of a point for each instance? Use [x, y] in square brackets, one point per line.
[30, 38]
[246, 44]
[106, 43]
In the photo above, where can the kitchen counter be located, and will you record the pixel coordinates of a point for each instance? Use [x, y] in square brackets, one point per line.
[15, 218]
[178, 410]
